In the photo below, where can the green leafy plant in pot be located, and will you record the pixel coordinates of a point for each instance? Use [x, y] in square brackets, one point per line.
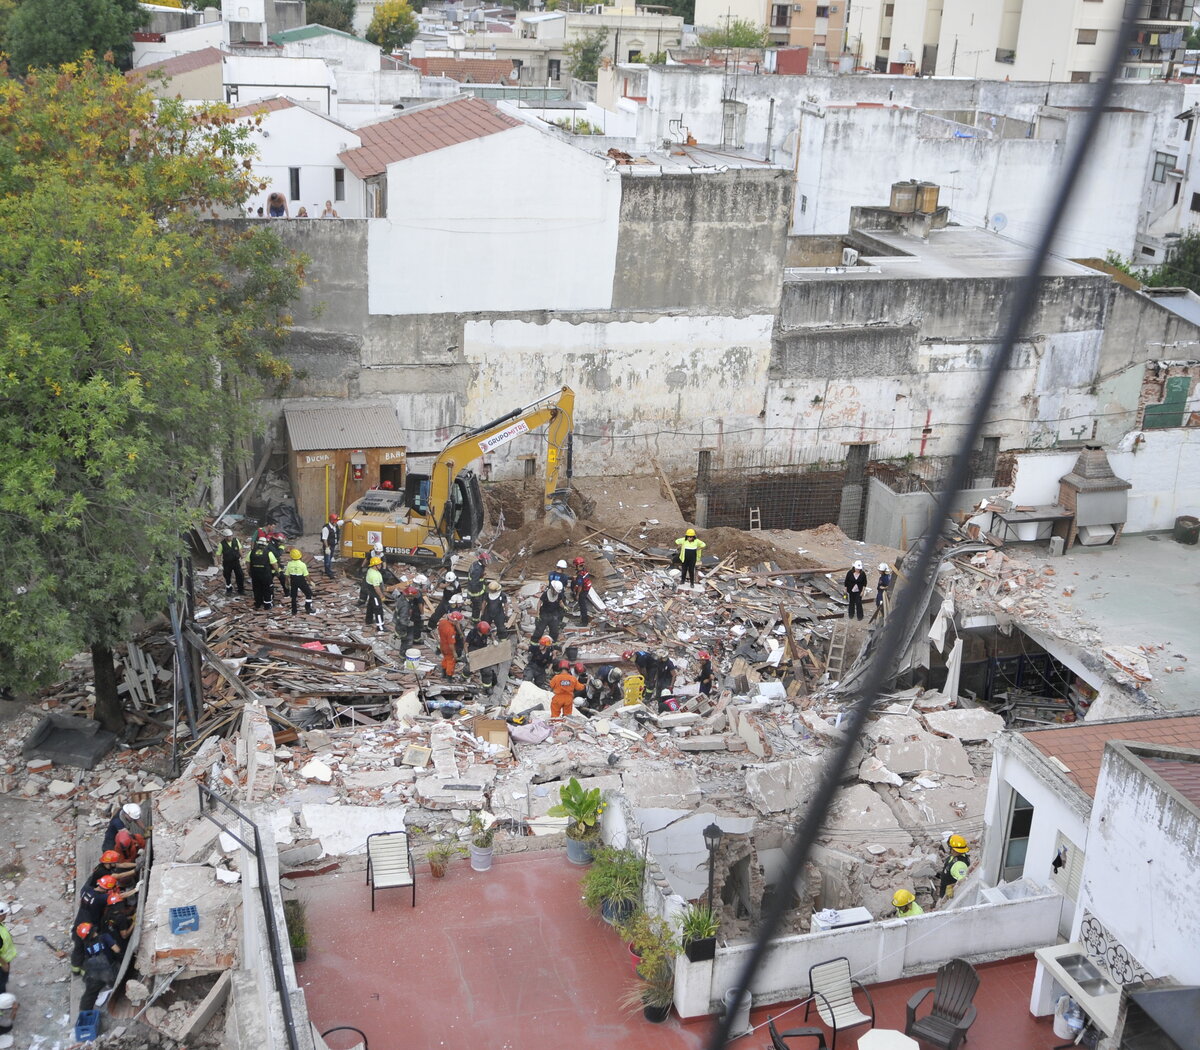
[439, 856]
[698, 930]
[482, 835]
[612, 887]
[653, 942]
[583, 807]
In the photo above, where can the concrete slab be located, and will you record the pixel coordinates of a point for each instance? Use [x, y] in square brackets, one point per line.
[972, 724]
[926, 751]
[210, 948]
[859, 815]
[944, 806]
[783, 786]
[342, 830]
[666, 786]
[875, 772]
[373, 778]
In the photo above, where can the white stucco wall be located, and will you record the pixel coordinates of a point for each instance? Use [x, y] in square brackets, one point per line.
[1140, 875]
[307, 80]
[178, 42]
[512, 221]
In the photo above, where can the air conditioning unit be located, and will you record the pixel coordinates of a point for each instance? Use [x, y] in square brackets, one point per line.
[849, 257]
[833, 9]
[797, 7]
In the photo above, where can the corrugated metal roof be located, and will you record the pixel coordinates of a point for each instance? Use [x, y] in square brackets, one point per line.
[314, 428]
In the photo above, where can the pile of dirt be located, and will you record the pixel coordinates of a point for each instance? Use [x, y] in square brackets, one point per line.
[531, 550]
[747, 550]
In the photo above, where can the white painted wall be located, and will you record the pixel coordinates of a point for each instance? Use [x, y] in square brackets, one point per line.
[299, 138]
[178, 42]
[1141, 870]
[619, 123]
[712, 14]
[513, 221]
[306, 80]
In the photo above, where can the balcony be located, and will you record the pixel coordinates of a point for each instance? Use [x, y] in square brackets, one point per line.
[1006, 55]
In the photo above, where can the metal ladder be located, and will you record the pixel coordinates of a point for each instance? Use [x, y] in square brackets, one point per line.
[755, 520]
[837, 650]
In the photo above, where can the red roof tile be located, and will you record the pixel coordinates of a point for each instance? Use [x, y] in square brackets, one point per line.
[263, 105]
[1183, 774]
[426, 130]
[173, 67]
[467, 70]
[1081, 747]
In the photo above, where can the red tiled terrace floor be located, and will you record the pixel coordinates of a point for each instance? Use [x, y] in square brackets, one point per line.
[509, 960]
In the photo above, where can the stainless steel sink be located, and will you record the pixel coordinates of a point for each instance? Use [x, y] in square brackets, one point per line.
[1096, 986]
[1086, 974]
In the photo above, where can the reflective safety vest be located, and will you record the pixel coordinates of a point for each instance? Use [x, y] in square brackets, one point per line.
[296, 567]
[261, 558]
[690, 544]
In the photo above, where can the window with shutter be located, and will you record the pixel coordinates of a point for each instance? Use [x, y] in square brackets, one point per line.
[1067, 872]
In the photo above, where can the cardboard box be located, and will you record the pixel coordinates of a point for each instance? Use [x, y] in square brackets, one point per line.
[493, 730]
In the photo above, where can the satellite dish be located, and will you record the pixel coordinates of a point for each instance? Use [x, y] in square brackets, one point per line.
[999, 221]
[513, 75]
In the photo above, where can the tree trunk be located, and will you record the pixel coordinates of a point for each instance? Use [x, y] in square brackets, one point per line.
[108, 705]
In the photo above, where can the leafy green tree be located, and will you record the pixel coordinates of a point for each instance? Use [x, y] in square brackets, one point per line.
[134, 337]
[48, 32]
[685, 9]
[1181, 267]
[335, 14]
[737, 32]
[584, 53]
[393, 25]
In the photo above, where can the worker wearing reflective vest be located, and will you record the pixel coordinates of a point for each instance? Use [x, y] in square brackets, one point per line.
[8, 950]
[906, 904]
[956, 866]
[231, 562]
[297, 574]
[373, 580]
[689, 554]
[263, 566]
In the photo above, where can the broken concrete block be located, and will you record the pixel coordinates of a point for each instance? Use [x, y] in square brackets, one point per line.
[407, 706]
[450, 794]
[783, 786]
[662, 788]
[135, 991]
[971, 724]
[198, 841]
[749, 731]
[317, 770]
[859, 811]
[372, 778]
[934, 701]
[875, 772]
[343, 830]
[679, 718]
[702, 743]
[925, 752]
[60, 788]
[107, 789]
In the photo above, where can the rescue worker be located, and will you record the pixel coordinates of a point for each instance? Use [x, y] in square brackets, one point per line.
[883, 584]
[563, 685]
[331, 532]
[100, 955]
[376, 551]
[906, 904]
[297, 574]
[119, 916]
[477, 585]
[375, 599]
[262, 575]
[277, 544]
[582, 676]
[449, 633]
[606, 686]
[539, 661]
[647, 664]
[580, 586]
[550, 610]
[477, 638]
[958, 862]
[406, 617]
[8, 1002]
[128, 846]
[495, 609]
[706, 677]
[128, 818]
[8, 950]
[112, 863]
[450, 588]
[92, 901]
[855, 584]
[559, 572]
[689, 554]
[231, 562]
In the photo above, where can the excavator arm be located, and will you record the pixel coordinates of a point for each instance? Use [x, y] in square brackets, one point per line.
[464, 450]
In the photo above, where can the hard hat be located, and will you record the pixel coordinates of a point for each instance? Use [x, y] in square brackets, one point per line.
[580, 562]
[858, 564]
[690, 532]
[411, 591]
[107, 882]
[333, 517]
[451, 577]
[545, 640]
[111, 856]
[377, 547]
[484, 627]
[456, 617]
[883, 567]
[7, 1000]
[902, 898]
[958, 844]
[560, 564]
[494, 587]
[483, 556]
[279, 536]
[124, 838]
[376, 561]
[420, 579]
[579, 668]
[132, 810]
[227, 532]
[387, 485]
[627, 655]
[556, 585]
[113, 898]
[83, 929]
[562, 665]
[457, 599]
[295, 554]
[704, 655]
[615, 676]
[340, 523]
[3, 907]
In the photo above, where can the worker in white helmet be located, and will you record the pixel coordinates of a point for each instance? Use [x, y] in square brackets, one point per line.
[550, 610]
[856, 585]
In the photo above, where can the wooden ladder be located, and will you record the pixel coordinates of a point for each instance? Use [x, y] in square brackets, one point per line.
[755, 520]
[837, 650]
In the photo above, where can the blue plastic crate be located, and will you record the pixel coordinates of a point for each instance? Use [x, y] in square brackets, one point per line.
[87, 1025]
[185, 919]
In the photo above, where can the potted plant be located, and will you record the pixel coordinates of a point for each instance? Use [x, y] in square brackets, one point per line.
[653, 943]
[612, 887]
[482, 834]
[439, 856]
[295, 915]
[698, 930]
[582, 807]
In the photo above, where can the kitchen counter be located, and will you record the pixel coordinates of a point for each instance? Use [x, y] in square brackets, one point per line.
[1097, 996]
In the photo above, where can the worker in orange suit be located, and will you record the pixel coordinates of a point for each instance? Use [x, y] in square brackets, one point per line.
[563, 685]
[449, 632]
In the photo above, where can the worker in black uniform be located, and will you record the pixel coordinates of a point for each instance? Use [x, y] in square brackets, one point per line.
[407, 617]
[477, 585]
[478, 638]
[855, 585]
[450, 587]
[958, 863]
[262, 575]
[706, 677]
[231, 562]
[606, 686]
[93, 899]
[495, 610]
[278, 546]
[540, 661]
[581, 586]
[550, 611]
[883, 585]
[330, 534]
[101, 955]
[580, 673]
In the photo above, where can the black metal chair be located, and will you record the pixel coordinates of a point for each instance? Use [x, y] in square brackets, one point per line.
[779, 1039]
[831, 990]
[946, 1025]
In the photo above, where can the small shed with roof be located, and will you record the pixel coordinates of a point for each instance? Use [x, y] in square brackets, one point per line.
[336, 453]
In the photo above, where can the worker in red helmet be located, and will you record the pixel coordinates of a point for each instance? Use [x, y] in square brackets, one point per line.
[478, 638]
[581, 586]
[387, 486]
[706, 677]
[92, 901]
[119, 917]
[449, 634]
[101, 954]
[580, 673]
[129, 845]
[540, 661]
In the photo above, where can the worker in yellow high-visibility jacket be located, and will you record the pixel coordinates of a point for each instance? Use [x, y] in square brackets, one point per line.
[690, 547]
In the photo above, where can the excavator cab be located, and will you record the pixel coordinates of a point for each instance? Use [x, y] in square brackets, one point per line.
[464, 511]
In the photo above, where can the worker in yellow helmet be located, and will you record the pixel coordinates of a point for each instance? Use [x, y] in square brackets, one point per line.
[297, 574]
[689, 554]
[373, 583]
[958, 862]
[906, 904]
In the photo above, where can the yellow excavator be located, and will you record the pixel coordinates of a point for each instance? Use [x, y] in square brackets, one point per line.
[432, 515]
